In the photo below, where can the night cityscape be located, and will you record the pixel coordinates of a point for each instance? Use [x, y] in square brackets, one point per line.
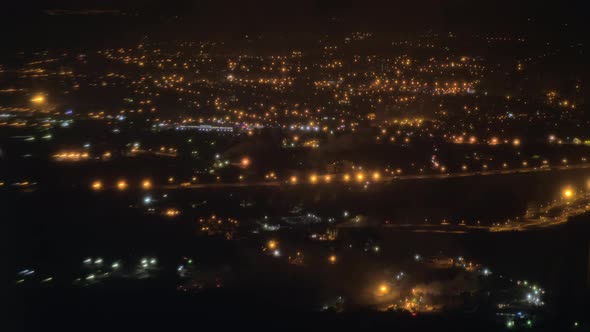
[366, 165]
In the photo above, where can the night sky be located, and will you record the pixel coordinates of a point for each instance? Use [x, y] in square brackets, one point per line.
[80, 23]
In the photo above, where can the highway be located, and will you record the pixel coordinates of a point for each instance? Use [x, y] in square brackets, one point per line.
[337, 178]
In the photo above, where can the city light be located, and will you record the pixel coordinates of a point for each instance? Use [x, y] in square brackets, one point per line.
[360, 177]
[332, 259]
[171, 212]
[568, 193]
[383, 289]
[146, 184]
[97, 185]
[38, 99]
[313, 178]
[122, 185]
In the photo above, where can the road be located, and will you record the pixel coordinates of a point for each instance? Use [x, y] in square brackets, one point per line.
[383, 179]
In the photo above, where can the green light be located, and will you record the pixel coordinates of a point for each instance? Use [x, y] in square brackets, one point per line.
[529, 323]
[510, 324]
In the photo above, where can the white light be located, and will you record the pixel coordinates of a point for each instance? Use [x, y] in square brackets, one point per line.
[276, 253]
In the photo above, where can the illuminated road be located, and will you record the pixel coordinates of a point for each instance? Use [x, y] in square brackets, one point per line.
[382, 180]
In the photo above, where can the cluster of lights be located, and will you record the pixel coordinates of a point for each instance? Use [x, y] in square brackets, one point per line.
[120, 185]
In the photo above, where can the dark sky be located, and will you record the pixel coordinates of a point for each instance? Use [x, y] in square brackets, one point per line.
[29, 23]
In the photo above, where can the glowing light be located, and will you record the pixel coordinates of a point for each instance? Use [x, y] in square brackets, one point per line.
[516, 142]
[38, 99]
[332, 259]
[97, 185]
[568, 193]
[360, 177]
[328, 178]
[346, 178]
[383, 289]
[293, 180]
[272, 244]
[376, 176]
[245, 162]
[146, 184]
[122, 185]
[313, 178]
[171, 212]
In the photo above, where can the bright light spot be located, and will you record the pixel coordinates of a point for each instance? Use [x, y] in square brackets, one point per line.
[38, 99]
[360, 177]
[96, 185]
[313, 178]
[568, 193]
[383, 289]
[516, 142]
[272, 244]
[146, 184]
[122, 185]
[245, 162]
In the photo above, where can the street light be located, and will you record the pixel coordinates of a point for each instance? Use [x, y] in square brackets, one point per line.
[38, 99]
[122, 185]
[568, 193]
[96, 185]
[146, 184]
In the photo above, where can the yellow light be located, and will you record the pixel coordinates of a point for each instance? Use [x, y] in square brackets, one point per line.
[360, 177]
[293, 180]
[122, 185]
[346, 177]
[376, 176]
[383, 289]
[328, 178]
[172, 212]
[313, 178]
[272, 244]
[38, 99]
[516, 142]
[332, 259]
[97, 185]
[568, 193]
[245, 162]
[146, 184]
